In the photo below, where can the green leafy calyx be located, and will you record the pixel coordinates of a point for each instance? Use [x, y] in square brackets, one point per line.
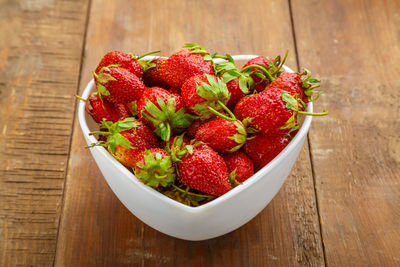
[155, 170]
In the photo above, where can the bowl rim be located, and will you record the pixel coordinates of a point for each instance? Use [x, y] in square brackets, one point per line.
[250, 181]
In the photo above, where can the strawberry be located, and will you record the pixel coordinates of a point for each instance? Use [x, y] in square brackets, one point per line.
[126, 61]
[118, 85]
[164, 112]
[296, 85]
[260, 83]
[123, 143]
[204, 93]
[224, 136]
[186, 63]
[238, 83]
[144, 132]
[155, 168]
[100, 110]
[204, 170]
[191, 131]
[268, 112]
[262, 149]
[152, 76]
[236, 92]
[240, 166]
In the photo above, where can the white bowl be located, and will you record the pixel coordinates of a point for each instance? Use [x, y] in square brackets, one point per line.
[218, 217]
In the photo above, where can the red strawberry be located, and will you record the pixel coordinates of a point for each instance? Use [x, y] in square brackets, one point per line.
[191, 131]
[240, 166]
[260, 84]
[296, 85]
[204, 91]
[144, 132]
[268, 113]
[186, 63]
[155, 168]
[236, 92]
[125, 61]
[262, 149]
[100, 110]
[224, 136]
[118, 85]
[123, 143]
[152, 76]
[204, 170]
[164, 112]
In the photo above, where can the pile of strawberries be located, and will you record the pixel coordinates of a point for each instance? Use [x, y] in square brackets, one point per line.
[191, 128]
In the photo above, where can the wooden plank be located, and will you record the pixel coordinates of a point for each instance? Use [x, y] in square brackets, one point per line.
[40, 55]
[97, 230]
[354, 46]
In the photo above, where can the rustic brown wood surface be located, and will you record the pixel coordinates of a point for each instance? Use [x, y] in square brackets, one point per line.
[55, 206]
[354, 47]
[40, 58]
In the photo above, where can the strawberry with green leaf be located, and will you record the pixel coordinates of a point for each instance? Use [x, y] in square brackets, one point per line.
[164, 112]
[123, 143]
[191, 61]
[240, 167]
[118, 85]
[100, 110]
[273, 111]
[152, 75]
[238, 83]
[129, 62]
[222, 135]
[154, 167]
[204, 94]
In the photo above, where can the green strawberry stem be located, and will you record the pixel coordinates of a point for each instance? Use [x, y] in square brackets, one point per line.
[323, 113]
[281, 64]
[261, 68]
[148, 53]
[190, 193]
[80, 98]
[231, 118]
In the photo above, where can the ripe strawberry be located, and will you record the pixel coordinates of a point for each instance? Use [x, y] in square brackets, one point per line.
[164, 112]
[123, 143]
[240, 166]
[268, 112]
[296, 85]
[191, 131]
[118, 85]
[155, 168]
[144, 132]
[202, 92]
[186, 63]
[260, 83]
[100, 110]
[152, 76]
[224, 136]
[126, 61]
[204, 170]
[262, 149]
[236, 93]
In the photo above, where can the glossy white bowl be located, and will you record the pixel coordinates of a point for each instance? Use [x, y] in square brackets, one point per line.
[218, 217]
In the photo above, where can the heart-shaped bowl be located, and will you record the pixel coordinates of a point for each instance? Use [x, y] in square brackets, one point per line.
[220, 216]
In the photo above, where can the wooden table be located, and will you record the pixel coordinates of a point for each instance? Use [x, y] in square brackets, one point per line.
[339, 207]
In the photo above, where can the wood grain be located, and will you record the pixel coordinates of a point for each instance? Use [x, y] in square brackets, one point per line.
[97, 230]
[354, 46]
[40, 55]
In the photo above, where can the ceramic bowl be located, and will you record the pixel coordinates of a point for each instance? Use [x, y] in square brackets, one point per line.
[218, 217]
